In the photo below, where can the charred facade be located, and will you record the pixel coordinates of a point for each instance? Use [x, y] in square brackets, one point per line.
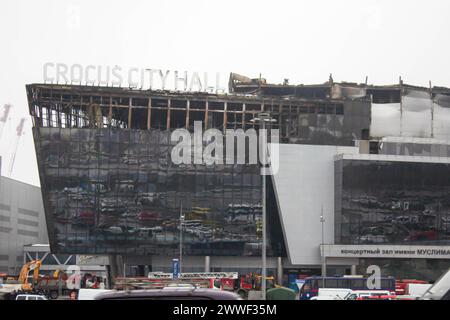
[109, 185]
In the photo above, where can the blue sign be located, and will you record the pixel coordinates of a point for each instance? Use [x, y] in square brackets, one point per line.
[175, 268]
[300, 283]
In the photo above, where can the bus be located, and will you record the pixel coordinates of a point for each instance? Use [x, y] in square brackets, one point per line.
[312, 284]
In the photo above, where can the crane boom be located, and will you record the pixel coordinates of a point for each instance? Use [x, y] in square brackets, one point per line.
[4, 117]
[19, 134]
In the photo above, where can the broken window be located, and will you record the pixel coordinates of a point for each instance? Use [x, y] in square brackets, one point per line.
[139, 118]
[196, 116]
[385, 96]
[216, 120]
[158, 118]
[177, 119]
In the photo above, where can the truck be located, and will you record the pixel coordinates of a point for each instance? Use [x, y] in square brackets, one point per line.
[417, 289]
[50, 286]
[402, 285]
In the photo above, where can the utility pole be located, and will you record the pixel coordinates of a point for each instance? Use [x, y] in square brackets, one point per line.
[324, 264]
[263, 118]
[181, 234]
[264, 230]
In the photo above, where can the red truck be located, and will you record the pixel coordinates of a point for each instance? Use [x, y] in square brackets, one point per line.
[401, 285]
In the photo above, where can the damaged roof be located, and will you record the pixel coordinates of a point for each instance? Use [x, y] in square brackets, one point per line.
[332, 90]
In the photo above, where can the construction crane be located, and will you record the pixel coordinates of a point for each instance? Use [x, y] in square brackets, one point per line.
[4, 117]
[19, 134]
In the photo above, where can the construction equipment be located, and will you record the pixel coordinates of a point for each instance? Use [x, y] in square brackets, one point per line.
[57, 274]
[34, 266]
[50, 286]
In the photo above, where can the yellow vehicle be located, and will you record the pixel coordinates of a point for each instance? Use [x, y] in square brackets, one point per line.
[50, 286]
[34, 266]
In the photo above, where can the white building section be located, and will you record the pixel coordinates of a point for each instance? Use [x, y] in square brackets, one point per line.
[303, 184]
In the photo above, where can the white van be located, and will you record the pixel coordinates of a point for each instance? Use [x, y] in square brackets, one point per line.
[417, 289]
[30, 297]
[90, 294]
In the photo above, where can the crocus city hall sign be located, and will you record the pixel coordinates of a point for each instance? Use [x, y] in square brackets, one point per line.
[136, 78]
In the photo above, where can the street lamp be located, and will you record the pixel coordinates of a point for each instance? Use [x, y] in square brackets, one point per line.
[324, 266]
[181, 235]
[262, 119]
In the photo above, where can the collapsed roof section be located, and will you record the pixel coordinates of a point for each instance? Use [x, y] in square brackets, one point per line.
[240, 84]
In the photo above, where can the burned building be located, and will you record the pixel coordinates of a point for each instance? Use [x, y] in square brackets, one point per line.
[110, 187]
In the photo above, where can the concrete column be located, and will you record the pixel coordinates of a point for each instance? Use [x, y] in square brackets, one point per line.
[353, 270]
[108, 280]
[324, 266]
[280, 270]
[207, 264]
[116, 267]
[112, 266]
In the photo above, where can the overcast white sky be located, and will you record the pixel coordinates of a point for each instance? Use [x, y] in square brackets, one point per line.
[303, 41]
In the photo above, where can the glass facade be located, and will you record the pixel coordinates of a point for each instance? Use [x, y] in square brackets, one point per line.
[324, 123]
[116, 191]
[415, 149]
[390, 202]
[109, 185]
